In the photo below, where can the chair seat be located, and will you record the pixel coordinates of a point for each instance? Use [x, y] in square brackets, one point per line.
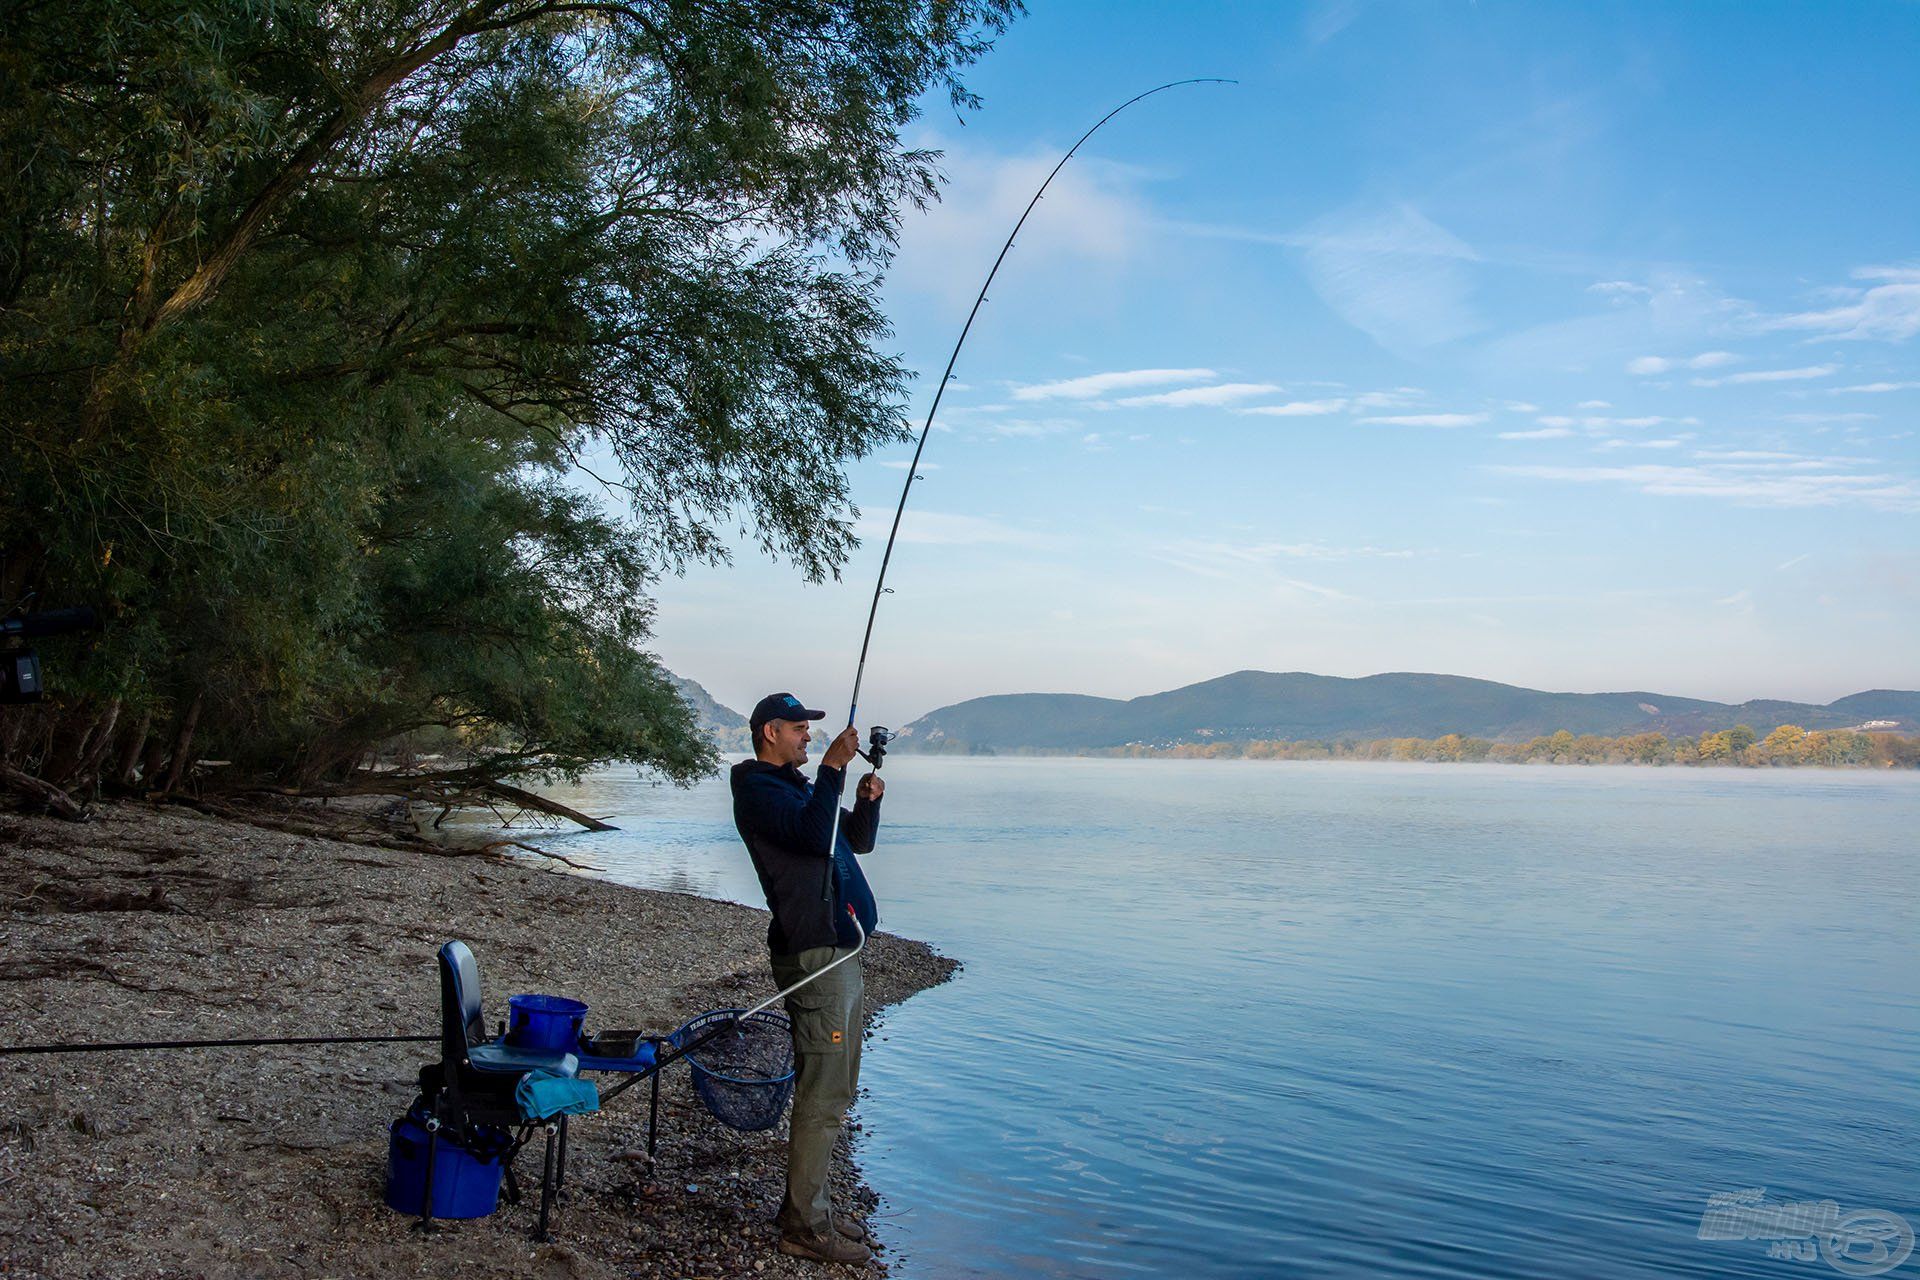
[644, 1058]
[499, 1056]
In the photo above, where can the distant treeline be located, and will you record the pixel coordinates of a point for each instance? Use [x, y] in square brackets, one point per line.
[1787, 746]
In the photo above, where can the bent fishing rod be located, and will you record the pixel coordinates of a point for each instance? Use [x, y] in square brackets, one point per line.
[880, 736]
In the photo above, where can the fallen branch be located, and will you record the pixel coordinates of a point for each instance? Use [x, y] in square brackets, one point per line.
[517, 844]
[57, 801]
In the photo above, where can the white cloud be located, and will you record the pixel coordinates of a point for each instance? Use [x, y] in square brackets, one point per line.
[1190, 397]
[948, 529]
[1521, 406]
[1393, 274]
[902, 466]
[1387, 399]
[1094, 385]
[1593, 404]
[1771, 375]
[1430, 420]
[1232, 561]
[1829, 417]
[1759, 481]
[1875, 388]
[1297, 408]
[1555, 420]
[1029, 428]
[1888, 312]
[1647, 365]
[1544, 433]
[1619, 288]
[1641, 444]
[1091, 217]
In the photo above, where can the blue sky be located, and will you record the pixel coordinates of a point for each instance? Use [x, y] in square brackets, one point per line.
[1567, 345]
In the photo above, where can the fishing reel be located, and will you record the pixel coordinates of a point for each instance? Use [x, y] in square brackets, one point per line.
[877, 740]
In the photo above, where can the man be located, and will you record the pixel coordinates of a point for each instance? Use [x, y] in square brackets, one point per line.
[786, 822]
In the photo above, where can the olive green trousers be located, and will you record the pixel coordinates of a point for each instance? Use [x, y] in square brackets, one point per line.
[827, 1022]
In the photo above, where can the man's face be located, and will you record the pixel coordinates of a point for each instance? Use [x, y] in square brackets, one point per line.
[785, 742]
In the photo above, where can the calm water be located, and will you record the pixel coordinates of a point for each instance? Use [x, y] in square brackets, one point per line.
[1237, 1019]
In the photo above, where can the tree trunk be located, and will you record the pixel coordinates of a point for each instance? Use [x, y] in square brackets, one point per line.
[13, 724]
[183, 744]
[87, 778]
[136, 746]
[75, 727]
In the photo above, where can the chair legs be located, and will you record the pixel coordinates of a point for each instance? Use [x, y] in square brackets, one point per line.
[546, 1182]
[426, 1193]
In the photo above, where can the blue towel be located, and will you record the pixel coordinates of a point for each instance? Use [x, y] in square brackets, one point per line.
[543, 1095]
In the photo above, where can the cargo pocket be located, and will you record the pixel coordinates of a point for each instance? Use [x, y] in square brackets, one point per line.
[819, 1025]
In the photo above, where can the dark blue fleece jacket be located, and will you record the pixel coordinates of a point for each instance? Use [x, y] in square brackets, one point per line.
[785, 820]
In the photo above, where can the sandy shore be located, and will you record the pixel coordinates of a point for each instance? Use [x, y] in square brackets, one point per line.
[149, 924]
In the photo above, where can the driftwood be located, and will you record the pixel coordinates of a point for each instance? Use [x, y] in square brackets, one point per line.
[57, 801]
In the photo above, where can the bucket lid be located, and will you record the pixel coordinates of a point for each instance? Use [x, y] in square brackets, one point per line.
[547, 1004]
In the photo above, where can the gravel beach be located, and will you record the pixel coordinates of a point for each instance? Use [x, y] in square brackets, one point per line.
[164, 923]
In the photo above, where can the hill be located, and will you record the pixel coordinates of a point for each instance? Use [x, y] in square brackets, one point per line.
[1297, 705]
[727, 727]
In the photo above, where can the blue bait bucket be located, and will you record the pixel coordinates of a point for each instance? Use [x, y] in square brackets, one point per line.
[544, 1022]
[466, 1182]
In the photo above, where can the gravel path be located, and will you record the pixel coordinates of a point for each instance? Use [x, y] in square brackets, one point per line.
[158, 924]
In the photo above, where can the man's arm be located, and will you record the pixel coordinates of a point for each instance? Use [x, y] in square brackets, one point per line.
[801, 824]
[862, 824]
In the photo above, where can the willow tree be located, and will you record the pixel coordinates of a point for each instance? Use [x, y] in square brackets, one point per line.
[306, 309]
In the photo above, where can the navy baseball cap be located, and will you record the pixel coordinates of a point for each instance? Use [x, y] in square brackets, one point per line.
[780, 706]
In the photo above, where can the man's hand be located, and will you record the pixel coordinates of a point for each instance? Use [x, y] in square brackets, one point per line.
[870, 788]
[844, 748]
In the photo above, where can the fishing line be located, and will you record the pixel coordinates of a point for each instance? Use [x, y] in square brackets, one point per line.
[886, 558]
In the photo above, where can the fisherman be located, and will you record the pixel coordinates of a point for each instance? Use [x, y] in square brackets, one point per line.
[786, 823]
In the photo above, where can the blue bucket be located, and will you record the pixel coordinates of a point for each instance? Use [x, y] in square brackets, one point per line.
[465, 1185]
[544, 1022]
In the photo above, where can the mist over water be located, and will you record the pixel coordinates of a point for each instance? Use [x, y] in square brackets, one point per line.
[1236, 1018]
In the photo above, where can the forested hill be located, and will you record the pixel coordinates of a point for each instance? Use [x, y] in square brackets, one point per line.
[1297, 705]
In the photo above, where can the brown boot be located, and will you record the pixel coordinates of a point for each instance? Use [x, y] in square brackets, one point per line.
[831, 1246]
[853, 1229]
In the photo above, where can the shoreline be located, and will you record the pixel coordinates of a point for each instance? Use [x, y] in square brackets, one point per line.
[152, 923]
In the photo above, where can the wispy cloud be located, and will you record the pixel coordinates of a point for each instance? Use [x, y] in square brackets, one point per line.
[1802, 374]
[1297, 408]
[1543, 433]
[1749, 478]
[1649, 365]
[1094, 385]
[1030, 428]
[1429, 419]
[1394, 274]
[949, 529]
[1888, 311]
[1191, 397]
[1875, 388]
[1093, 218]
[1594, 404]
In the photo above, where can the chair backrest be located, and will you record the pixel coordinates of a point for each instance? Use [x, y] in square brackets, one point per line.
[462, 1025]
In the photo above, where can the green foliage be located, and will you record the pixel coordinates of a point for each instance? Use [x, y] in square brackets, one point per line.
[306, 308]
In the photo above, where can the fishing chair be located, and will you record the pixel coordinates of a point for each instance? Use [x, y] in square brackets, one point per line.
[473, 1085]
